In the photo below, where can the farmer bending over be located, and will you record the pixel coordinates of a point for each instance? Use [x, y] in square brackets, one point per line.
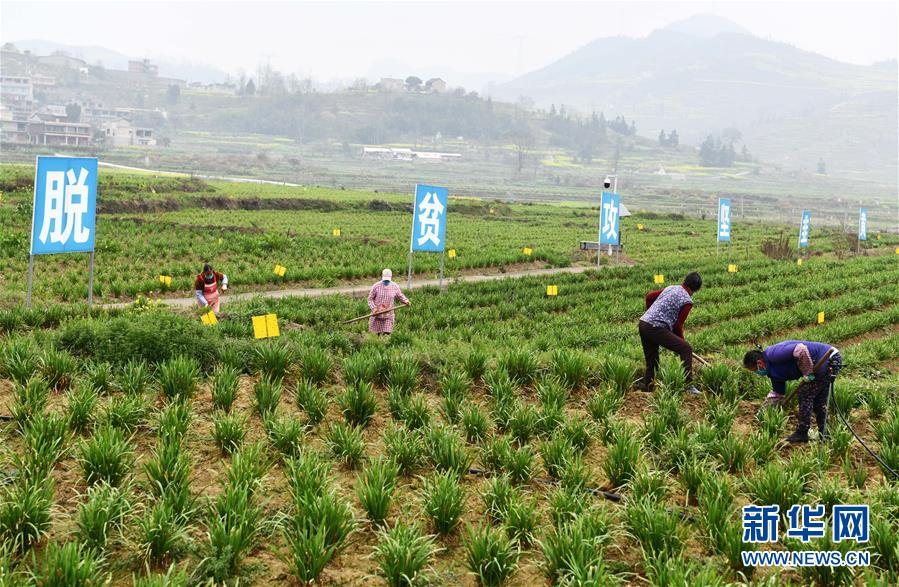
[663, 325]
[381, 297]
[206, 286]
[815, 364]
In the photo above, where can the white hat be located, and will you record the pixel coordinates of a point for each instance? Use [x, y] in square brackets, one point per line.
[387, 274]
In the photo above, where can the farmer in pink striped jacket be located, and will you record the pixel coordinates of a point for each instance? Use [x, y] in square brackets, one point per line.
[381, 297]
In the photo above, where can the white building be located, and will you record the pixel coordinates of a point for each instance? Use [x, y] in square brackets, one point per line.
[121, 133]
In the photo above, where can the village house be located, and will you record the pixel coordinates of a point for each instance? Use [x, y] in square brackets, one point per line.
[121, 133]
[47, 129]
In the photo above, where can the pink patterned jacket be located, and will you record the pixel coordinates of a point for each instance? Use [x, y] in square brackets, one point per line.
[384, 295]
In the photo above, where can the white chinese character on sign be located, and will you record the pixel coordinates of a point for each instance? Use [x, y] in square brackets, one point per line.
[430, 210]
[65, 204]
[609, 227]
[724, 229]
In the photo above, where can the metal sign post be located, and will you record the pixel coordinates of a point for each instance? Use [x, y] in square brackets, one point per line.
[442, 255]
[64, 211]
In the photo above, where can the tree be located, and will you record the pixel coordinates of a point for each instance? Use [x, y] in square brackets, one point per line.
[663, 140]
[822, 167]
[173, 93]
[731, 135]
[73, 112]
[250, 88]
[708, 151]
[673, 139]
[745, 155]
[413, 83]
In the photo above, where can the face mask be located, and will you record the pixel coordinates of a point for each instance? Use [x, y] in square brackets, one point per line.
[209, 278]
[386, 282]
[762, 372]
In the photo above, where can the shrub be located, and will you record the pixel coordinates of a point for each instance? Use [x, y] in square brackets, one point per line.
[120, 339]
[133, 377]
[312, 400]
[225, 382]
[106, 457]
[358, 404]
[161, 532]
[520, 364]
[346, 443]
[375, 488]
[572, 368]
[25, 513]
[70, 565]
[101, 514]
[490, 555]
[402, 552]
[228, 431]
[268, 395]
[286, 434]
[273, 360]
[447, 451]
[474, 423]
[404, 447]
[444, 501]
[178, 378]
[618, 373]
[30, 401]
[316, 366]
[58, 368]
[622, 457]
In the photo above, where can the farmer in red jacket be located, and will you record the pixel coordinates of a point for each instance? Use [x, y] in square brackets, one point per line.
[206, 287]
[662, 325]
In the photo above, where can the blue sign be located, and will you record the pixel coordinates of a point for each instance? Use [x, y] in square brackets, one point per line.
[862, 224]
[804, 227]
[65, 205]
[429, 218]
[610, 219]
[724, 220]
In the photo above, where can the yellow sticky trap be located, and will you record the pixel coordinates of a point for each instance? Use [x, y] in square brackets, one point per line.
[897, 250]
[639, 227]
[280, 270]
[221, 241]
[552, 290]
[165, 280]
[878, 236]
[731, 268]
[451, 253]
[658, 279]
[799, 262]
[209, 318]
[529, 251]
[820, 317]
[266, 326]
[492, 210]
[335, 232]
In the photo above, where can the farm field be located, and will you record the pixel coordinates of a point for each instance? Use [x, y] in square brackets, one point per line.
[467, 448]
[175, 224]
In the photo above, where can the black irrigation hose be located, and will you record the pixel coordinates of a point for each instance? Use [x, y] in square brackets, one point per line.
[885, 466]
[598, 492]
[615, 497]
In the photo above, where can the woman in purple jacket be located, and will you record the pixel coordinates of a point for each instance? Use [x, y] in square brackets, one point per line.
[797, 359]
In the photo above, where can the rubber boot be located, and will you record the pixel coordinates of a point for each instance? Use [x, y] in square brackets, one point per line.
[798, 437]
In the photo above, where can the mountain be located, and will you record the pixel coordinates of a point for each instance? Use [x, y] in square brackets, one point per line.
[705, 74]
[110, 59]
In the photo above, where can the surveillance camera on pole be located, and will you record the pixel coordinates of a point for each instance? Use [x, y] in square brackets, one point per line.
[607, 182]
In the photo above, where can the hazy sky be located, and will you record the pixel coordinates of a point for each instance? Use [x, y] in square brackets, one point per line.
[348, 39]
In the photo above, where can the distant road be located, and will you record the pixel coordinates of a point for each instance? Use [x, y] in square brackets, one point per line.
[200, 175]
[360, 291]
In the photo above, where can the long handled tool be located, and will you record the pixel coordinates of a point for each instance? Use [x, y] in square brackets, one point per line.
[701, 360]
[378, 313]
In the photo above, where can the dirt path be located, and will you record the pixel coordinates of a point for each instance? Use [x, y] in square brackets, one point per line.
[359, 291]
